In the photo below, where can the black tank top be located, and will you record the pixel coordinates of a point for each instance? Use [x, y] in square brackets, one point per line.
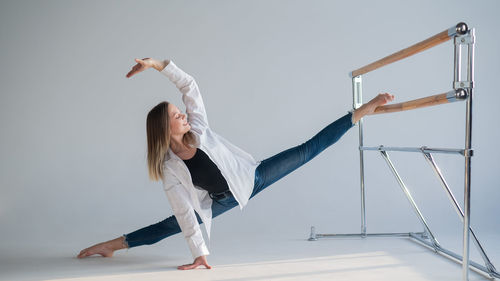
[205, 173]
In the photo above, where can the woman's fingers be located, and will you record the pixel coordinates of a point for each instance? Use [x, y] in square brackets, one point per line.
[141, 62]
[140, 66]
[202, 260]
[187, 266]
[136, 69]
[197, 262]
[145, 62]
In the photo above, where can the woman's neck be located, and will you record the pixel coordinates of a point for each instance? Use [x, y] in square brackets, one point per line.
[182, 151]
[177, 145]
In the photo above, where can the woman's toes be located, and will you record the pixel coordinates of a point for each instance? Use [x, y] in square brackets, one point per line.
[85, 253]
[81, 254]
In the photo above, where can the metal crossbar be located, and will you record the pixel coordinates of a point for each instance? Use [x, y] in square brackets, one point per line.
[463, 91]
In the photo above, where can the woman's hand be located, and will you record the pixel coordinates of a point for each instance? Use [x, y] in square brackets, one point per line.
[201, 260]
[146, 63]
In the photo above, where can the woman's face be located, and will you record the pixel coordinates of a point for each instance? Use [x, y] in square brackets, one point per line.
[178, 121]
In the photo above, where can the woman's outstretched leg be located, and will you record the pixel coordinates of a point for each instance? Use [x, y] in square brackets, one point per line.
[276, 167]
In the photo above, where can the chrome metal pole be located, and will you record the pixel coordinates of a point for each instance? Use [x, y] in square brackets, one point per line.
[410, 198]
[457, 61]
[468, 145]
[357, 102]
[424, 149]
[393, 234]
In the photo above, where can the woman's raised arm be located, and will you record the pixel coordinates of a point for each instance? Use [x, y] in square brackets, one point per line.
[191, 96]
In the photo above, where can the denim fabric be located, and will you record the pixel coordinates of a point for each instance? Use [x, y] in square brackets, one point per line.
[268, 172]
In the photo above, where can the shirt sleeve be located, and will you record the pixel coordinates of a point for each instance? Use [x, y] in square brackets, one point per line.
[191, 95]
[184, 213]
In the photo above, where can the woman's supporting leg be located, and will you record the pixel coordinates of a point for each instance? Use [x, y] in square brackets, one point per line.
[145, 236]
[274, 168]
[153, 233]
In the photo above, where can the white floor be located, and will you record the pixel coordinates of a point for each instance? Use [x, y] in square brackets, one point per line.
[257, 258]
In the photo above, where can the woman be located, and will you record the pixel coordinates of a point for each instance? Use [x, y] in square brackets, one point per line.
[203, 172]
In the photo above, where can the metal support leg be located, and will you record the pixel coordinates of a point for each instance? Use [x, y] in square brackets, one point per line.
[313, 237]
[456, 257]
[410, 198]
[469, 41]
[357, 95]
[489, 266]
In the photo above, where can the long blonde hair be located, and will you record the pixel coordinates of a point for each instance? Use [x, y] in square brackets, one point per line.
[158, 138]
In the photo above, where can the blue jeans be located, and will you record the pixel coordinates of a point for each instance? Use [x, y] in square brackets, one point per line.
[269, 171]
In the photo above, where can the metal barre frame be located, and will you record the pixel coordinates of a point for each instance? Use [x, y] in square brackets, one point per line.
[423, 149]
[463, 90]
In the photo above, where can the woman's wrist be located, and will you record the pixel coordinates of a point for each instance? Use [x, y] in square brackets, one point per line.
[160, 65]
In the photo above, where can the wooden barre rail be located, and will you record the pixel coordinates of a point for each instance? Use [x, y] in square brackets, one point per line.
[460, 29]
[451, 96]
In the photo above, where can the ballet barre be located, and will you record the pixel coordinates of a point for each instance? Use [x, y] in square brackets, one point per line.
[459, 29]
[463, 85]
[451, 96]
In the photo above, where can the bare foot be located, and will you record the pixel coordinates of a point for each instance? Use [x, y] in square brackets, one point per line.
[379, 100]
[105, 249]
[369, 107]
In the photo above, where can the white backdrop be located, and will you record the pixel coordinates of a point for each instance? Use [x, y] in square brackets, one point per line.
[272, 74]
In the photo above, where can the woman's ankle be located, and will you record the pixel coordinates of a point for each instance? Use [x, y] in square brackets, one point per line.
[118, 243]
[359, 113]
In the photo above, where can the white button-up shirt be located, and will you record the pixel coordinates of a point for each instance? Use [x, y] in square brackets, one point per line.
[237, 167]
